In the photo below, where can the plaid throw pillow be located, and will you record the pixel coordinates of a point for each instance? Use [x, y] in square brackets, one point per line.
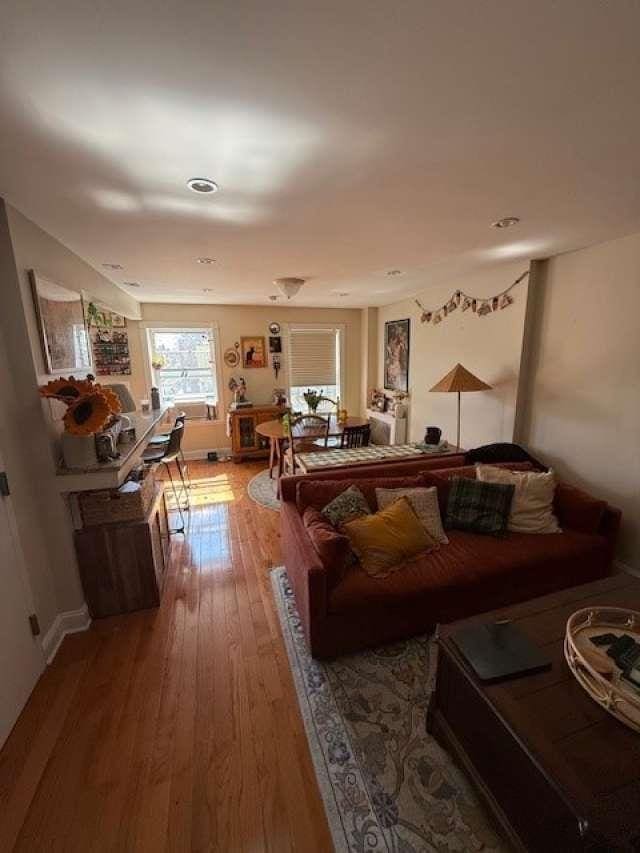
[479, 507]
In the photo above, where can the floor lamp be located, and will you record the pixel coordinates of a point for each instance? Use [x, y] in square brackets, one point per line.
[459, 381]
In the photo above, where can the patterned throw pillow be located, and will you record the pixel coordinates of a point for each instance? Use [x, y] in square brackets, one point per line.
[348, 505]
[424, 502]
[384, 541]
[479, 507]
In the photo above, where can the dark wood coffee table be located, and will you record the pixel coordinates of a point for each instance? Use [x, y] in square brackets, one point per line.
[555, 770]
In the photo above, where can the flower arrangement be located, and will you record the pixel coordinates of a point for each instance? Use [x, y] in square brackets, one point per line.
[90, 406]
[314, 398]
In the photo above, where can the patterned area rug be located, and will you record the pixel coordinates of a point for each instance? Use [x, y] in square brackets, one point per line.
[262, 490]
[386, 785]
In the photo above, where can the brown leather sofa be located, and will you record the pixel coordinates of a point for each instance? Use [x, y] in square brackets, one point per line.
[472, 574]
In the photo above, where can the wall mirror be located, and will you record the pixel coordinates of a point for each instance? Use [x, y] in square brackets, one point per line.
[62, 326]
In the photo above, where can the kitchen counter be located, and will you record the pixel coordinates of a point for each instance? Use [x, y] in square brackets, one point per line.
[110, 475]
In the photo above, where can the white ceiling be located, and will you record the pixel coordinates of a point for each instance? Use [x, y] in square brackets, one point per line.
[348, 137]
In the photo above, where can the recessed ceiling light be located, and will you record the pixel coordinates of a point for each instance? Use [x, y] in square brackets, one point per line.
[206, 260]
[131, 283]
[113, 266]
[506, 222]
[394, 272]
[202, 185]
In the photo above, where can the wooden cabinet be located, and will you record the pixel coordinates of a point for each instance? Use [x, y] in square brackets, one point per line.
[245, 442]
[123, 565]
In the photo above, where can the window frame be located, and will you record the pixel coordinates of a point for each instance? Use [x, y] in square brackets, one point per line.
[148, 327]
[341, 331]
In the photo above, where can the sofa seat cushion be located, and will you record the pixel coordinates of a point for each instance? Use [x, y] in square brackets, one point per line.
[475, 573]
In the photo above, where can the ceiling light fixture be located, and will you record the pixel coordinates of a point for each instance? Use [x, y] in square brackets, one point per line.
[113, 266]
[206, 260]
[131, 283]
[506, 222]
[288, 286]
[202, 185]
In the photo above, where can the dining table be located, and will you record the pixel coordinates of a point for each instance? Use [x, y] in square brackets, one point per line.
[274, 431]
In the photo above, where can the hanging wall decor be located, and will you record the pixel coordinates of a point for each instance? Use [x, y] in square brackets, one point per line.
[109, 342]
[481, 306]
[396, 355]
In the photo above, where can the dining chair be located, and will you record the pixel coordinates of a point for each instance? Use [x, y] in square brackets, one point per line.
[165, 455]
[316, 441]
[356, 436]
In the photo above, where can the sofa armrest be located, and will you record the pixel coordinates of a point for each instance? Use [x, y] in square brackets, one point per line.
[305, 571]
[578, 510]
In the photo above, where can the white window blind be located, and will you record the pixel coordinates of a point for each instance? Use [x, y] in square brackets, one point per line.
[313, 357]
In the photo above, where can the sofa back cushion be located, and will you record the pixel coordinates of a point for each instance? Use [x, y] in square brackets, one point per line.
[443, 477]
[318, 493]
[333, 548]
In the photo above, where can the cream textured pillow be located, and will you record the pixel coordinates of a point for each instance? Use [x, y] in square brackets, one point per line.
[424, 502]
[532, 504]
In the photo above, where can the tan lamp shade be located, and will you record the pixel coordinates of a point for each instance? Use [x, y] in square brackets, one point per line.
[460, 380]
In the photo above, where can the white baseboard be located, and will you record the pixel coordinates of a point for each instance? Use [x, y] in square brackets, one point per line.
[202, 454]
[69, 622]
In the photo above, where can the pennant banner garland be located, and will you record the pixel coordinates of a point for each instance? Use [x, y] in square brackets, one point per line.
[479, 305]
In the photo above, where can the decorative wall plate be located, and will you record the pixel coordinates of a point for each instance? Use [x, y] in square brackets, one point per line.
[231, 357]
[274, 328]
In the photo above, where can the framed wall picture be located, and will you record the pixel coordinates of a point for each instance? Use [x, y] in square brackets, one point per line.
[396, 355]
[253, 352]
[62, 326]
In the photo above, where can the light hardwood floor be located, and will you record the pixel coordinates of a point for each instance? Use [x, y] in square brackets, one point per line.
[178, 728]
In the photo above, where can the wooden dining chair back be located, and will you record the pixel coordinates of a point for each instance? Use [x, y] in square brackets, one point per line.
[309, 434]
[357, 436]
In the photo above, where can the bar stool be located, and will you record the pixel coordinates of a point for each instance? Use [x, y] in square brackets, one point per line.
[163, 438]
[165, 456]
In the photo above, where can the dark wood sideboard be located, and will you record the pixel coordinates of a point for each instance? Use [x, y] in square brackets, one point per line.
[245, 441]
[556, 771]
[123, 565]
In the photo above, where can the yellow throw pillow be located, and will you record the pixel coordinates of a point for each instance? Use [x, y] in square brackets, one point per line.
[382, 542]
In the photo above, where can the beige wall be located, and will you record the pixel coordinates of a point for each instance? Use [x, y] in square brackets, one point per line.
[488, 346]
[583, 412]
[35, 249]
[25, 433]
[369, 353]
[233, 322]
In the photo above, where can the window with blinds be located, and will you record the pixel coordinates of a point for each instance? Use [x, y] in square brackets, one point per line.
[314, 363]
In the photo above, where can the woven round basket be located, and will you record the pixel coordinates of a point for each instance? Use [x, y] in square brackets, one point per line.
[595, 671]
